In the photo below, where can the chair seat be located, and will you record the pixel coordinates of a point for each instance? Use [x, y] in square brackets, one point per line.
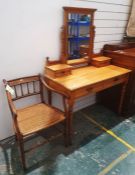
[37, 117]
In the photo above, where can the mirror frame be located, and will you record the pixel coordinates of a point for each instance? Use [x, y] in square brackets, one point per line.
[64, 35]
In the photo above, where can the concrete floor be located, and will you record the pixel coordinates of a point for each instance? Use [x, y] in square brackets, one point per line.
[103, 143]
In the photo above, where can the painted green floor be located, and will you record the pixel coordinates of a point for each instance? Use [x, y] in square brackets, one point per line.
[103, 143]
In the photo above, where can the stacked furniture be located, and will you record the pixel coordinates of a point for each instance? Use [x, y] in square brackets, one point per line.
[123, 55]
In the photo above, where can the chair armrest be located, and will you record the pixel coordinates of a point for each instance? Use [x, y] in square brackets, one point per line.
[53, 90]
[12, 108]
[64, 95]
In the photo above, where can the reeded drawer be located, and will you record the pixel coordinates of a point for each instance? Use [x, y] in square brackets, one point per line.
[58, 70]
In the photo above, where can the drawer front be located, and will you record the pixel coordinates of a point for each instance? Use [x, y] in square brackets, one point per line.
[101, 64]
[100, 86]
[62, 73]
[55, 74]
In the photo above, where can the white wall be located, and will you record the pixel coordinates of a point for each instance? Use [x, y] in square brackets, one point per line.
[29, 31]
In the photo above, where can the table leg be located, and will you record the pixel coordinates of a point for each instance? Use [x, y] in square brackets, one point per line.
[70, 103]
[122, 96]
[49, 97]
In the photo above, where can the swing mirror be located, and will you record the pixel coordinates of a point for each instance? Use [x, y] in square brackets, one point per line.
[77, 34]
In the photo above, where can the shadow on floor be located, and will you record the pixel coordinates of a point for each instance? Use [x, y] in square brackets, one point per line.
[47, 158]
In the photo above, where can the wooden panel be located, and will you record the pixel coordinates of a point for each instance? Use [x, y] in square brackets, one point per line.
[115, 2]
[111, 16]
[112, 31]
[102, 6]
[109, 23]
[108, 38]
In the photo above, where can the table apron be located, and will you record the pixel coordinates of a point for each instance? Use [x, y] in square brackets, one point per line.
[99, 86]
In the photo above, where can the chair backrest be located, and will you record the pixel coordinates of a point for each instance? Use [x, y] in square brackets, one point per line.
[24, 87]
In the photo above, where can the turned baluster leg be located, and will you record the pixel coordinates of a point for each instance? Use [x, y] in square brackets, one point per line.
[69, 119]
[49, 97]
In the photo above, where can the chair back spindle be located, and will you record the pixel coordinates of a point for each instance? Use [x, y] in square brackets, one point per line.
[24, 87]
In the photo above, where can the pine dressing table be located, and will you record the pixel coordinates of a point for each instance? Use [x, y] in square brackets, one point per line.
[77, 82]
[87, 80]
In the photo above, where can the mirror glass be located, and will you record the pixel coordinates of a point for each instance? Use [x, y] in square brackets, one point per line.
[78, 35]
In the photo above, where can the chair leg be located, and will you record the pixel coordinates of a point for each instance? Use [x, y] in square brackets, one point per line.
[21, 145]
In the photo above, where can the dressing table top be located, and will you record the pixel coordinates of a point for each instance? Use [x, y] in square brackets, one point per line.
[85, 76]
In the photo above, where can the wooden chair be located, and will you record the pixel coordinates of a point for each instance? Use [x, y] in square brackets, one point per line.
[36, 117]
